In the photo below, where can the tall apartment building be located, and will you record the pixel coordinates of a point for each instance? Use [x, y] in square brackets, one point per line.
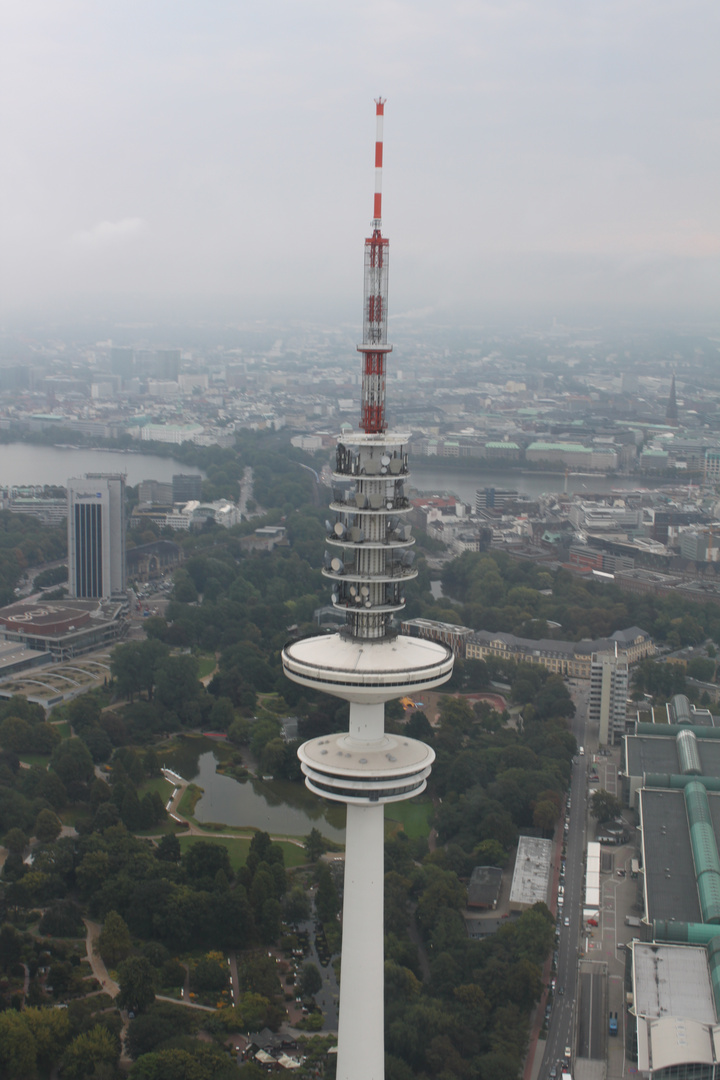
[608, 695]
[96, 536]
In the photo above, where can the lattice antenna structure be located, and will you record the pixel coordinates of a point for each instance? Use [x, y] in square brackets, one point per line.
[374, 346]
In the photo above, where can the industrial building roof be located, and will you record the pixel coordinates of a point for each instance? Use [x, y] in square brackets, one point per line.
[672, 980]
[659, 754]
[532, 871]
[670, 885]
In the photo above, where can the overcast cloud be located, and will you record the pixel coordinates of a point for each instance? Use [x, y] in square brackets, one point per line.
[537, 154]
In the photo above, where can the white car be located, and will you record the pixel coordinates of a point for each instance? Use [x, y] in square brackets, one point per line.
[567, 921]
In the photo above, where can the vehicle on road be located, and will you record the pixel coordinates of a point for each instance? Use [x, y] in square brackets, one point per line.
[567, 921]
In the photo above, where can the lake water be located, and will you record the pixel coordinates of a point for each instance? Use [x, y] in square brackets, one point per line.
[279, 807]
[466, 482]
[22, 464]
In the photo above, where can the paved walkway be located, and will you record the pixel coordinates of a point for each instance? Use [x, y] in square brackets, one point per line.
[96, 961]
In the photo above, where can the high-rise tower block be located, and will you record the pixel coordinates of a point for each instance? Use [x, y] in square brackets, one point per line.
[369, 562]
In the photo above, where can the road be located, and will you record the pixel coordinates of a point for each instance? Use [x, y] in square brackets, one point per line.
[562, 1021]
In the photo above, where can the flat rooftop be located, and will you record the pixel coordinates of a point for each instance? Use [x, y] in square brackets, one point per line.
[532, 871]
[12, 654]
[672, 980]
[667, 856]
[658, 754]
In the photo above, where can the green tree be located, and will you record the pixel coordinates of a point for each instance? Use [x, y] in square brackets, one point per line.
[136, 978]
[89, 1052]
[134, 666]
[702, 668]
[114, 942]
[169, 849]
[604, 806]
[296, 906]
[210, 973]
[50, 1028]
[11, 946]
[18, 1049]
[72, 762]
[314, 845]
[545, 815]
[310, 981]
[47, 826]
[16, 840]
[327, 901]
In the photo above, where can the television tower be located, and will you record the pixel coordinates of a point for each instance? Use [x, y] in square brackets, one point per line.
[367, 663]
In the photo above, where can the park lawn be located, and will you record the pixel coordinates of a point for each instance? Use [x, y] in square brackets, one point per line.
[73, 815]
[64, 728]
[190, 798]
[162, 828]
[206, 665]
[239, 849]
[157, 783]
[40, 760]
[413, 817]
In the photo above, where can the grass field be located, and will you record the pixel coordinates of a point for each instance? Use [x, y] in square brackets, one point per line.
[413, 816]
[157, 783]
[206, 665]
[190, 797]
[239, 849]
[35, 759]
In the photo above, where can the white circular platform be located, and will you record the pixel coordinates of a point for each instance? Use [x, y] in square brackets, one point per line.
[367, 672]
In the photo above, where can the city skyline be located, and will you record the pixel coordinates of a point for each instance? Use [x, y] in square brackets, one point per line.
[169, 161]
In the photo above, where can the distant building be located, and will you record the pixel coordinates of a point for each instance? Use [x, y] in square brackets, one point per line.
[654, 460]
[712, 466]
[265, 539]
[186, 487]
[96, 536]
[167, 363]
[671, 413]
[569, 658]
[491, 498]
[122, 362]
[455, 637]
[170, 433]
[155, 492]
[64, 628]
[148, 561]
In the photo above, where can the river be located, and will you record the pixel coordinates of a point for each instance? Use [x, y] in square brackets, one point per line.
[22, 464]
[466, 482]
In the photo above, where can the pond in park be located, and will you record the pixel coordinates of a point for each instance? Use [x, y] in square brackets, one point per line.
[279, 807]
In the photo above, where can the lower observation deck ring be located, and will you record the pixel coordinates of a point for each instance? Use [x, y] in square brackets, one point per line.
[367, 671]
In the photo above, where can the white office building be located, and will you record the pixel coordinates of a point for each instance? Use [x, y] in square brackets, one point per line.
[96, 536]
[608, 695]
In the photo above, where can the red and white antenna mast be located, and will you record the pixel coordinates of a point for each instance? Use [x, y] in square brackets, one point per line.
[374, 346]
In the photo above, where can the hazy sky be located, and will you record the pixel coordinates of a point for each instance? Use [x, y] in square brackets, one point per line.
[537, 154]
